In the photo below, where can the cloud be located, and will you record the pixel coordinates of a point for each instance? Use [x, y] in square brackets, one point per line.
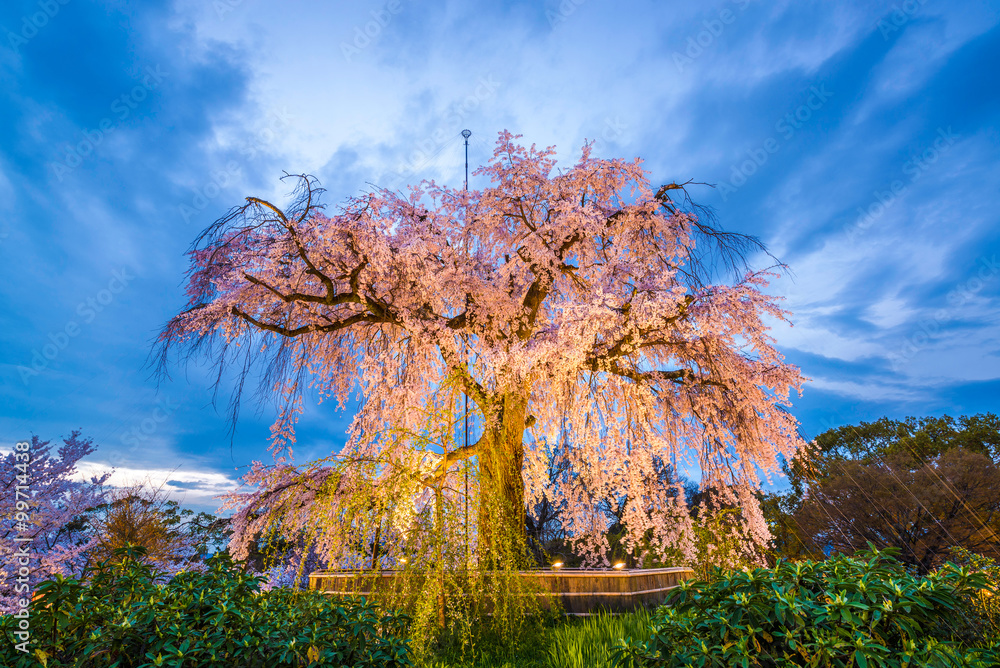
[888, 312]
[195, 489]
[867, 391]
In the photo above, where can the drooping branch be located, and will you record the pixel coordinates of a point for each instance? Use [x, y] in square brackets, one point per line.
[732, 249]
[677, 376]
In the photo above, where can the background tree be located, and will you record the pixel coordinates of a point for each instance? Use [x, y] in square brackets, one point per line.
[139, 514]
[787, 541]
[544, 519]
[920, 485]
[921, 438]
[131, 516]
[55, 523]
[573, 305]
[73, 522]
[205, 532]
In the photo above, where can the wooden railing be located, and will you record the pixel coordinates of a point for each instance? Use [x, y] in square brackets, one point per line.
[579, 591]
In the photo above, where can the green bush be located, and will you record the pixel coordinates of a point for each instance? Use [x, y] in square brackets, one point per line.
[980, 620]
[119, 617]
[844, 612]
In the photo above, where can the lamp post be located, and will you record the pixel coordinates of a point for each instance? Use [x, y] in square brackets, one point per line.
[466, 134]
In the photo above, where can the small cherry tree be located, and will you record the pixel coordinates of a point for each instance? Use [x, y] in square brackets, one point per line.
[574, 309]
[54, 521]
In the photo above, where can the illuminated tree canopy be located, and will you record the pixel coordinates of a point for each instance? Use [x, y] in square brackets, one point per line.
[575, 309]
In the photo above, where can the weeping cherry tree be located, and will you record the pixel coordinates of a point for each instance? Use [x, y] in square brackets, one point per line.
[577, 307]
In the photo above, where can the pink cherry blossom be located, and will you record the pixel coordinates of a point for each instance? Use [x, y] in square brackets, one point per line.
[572, 306]
[56, 543]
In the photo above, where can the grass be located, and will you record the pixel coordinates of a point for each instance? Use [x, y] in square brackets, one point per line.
[572, 643]
[589, 641]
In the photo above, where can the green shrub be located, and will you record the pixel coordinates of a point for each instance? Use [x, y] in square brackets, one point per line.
[980, 621]
[119, 617]
[864, 611]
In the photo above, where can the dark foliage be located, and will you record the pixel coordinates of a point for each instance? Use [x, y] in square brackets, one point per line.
[866, 611]
[121, 617]
[918, 485]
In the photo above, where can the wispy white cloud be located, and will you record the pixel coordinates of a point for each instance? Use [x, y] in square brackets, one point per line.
[868, 391]
[191, 488]
[889, 311]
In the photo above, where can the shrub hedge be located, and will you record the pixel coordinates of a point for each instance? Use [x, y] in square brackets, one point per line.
[119, 616]
[866, 611]
[979, 623]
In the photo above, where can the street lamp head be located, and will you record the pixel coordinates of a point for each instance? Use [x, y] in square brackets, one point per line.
[466, 133]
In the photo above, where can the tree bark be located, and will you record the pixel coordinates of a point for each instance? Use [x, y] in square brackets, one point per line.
[502, 533]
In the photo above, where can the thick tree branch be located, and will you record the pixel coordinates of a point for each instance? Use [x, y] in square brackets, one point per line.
[451, 458]
[306, 329]
[678, 376]
[327, 282]
[330, 300]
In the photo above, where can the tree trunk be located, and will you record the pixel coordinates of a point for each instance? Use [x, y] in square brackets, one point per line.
[439, 527]
[501, 506]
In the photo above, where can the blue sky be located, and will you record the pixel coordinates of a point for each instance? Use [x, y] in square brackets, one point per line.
[859, 141]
